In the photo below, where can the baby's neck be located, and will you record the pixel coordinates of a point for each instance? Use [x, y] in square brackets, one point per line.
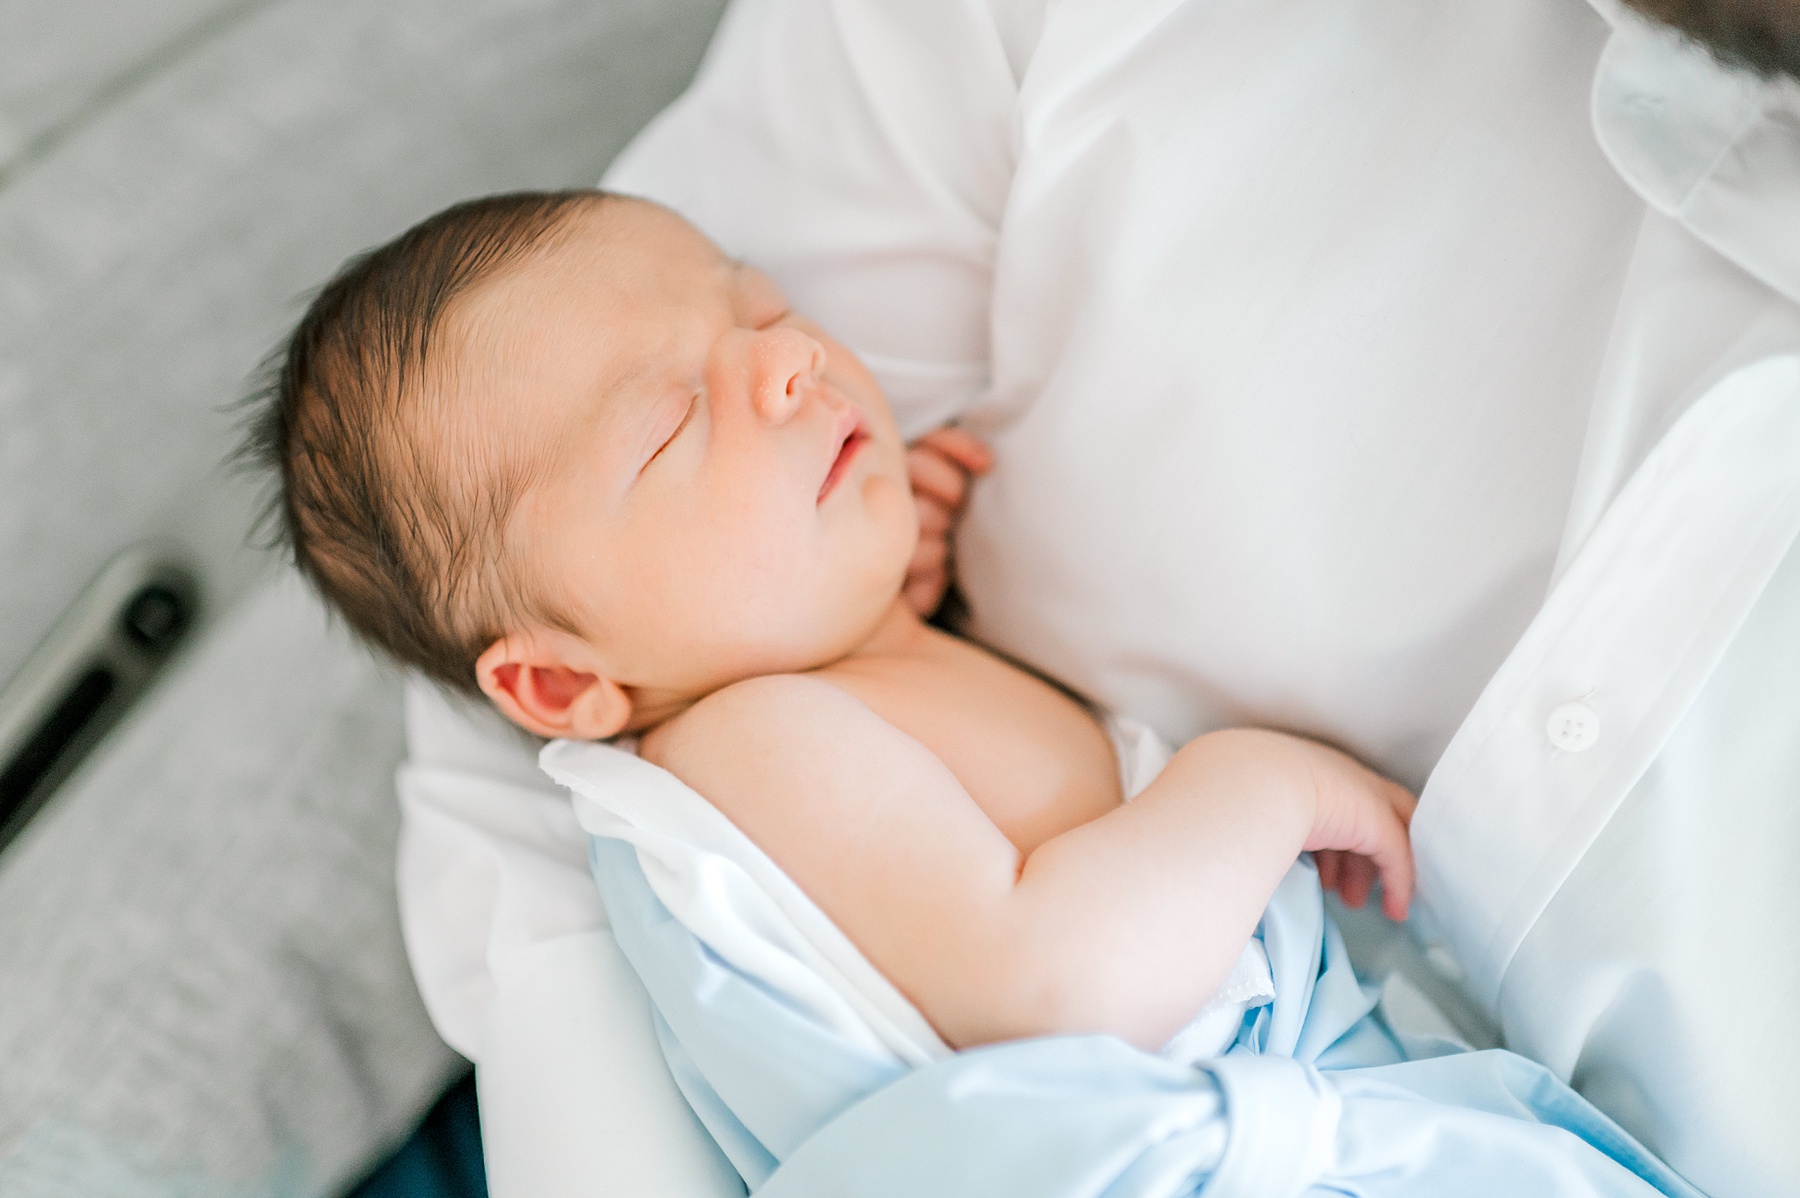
[900, 633]
[898, 636]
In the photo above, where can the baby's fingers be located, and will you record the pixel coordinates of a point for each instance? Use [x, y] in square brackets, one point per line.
[1395, 864]
[1329, 863]
[1378, 846]
[966, 450]
[924, 592]
[929, 557]
[934, 517]
[936, 477]
[1358, 881]
[1398, 874]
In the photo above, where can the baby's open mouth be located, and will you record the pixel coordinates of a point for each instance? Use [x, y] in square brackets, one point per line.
[852, 442]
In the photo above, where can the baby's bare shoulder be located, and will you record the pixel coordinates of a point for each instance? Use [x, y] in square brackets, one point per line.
[779, 731]
[760, 707]
[768, 717]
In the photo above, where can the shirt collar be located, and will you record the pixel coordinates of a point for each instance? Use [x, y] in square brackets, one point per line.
[1715, 148]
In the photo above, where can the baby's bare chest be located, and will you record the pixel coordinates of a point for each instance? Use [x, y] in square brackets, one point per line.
[1033, 759]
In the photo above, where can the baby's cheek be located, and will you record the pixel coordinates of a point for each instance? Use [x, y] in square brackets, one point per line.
[890, 499]
[891, 509]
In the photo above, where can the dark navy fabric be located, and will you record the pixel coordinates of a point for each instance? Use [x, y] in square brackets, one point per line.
[442, 1159]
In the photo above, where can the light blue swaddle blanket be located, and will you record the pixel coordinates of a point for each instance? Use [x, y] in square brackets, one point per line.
[816, 1077]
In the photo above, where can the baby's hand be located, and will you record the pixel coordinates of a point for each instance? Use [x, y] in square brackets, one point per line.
[940, 465]
[1360, 831]
[1289, 795]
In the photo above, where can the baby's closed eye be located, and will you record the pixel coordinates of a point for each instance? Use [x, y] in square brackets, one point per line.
[687, 417]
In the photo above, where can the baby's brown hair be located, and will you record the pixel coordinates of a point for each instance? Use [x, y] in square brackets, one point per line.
[403, 537]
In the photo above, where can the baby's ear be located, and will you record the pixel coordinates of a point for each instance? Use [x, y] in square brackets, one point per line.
[548, 682]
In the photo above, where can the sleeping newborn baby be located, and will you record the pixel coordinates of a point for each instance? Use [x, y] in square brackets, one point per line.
[629, 490]
[562, 451]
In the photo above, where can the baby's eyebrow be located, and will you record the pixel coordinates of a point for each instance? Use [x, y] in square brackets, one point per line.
[635, 370]
[616, 384]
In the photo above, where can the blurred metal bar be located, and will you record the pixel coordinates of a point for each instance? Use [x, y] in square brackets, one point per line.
[85, 674]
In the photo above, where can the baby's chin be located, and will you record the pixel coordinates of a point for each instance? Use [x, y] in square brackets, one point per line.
[832, 633]
[809, 628]
[893, 522]
[848, 632]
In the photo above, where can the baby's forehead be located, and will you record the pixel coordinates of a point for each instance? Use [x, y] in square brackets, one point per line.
[620, 303]
[597, 314]
[607, 271]
[636, 236]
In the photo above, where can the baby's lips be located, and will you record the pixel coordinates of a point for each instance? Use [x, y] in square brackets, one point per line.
[849, 436]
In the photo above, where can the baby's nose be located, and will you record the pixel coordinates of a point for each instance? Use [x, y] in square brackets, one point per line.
[784, 363]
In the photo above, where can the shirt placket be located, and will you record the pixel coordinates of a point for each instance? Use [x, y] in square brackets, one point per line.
[1602, 676]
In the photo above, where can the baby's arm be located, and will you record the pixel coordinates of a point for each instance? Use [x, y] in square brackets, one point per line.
[1126, 924]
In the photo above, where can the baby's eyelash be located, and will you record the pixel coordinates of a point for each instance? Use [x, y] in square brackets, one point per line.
[693, 406]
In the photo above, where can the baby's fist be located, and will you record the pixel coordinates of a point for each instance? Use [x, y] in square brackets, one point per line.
[940, 465]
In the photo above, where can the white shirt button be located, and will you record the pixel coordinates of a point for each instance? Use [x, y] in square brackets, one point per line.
[1573, 727]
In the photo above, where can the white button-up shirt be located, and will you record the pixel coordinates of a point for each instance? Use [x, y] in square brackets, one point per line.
[1422, 377]
[1618, 890]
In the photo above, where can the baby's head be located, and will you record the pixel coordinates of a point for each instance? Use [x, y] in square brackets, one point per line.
[558, 448]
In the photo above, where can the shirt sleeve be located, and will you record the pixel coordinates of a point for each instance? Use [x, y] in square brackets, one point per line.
[861, 154]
